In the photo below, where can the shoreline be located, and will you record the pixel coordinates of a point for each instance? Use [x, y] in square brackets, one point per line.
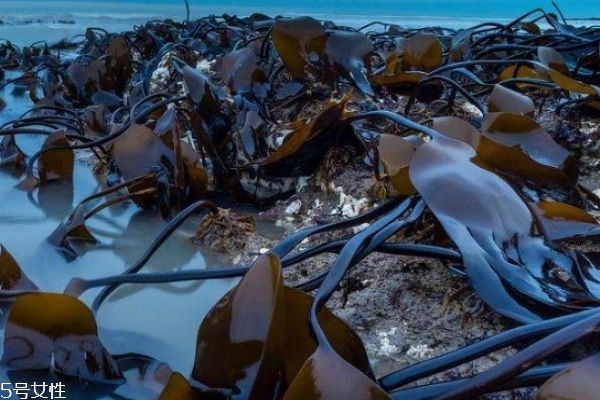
[23, 25]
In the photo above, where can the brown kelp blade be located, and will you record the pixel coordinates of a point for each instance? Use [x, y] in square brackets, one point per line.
[240, 341]
[48, 330]
[53, 165]
[111, 72]
[514, 144]
[505, 99]
[514, 129]
[200, 91]
[196, 178]
[300, 344]
[347, 51]
[403, 79]
[553, 66]
[300, 43]
[458, 129]
[138, 150]
[563, 221]
[258, 332]
[11, 275]
[325, 375]
[11, 154]
[72, 236]
[118, 65]
[395, 153]
[77, 76]
[246, 138]
[189, 177]
[423, 52]
[178, 388]
[146, 377]
[521, 72]
[241, 70]
[482, 215]
[56, 164]
[460, 48]
[327, 121]
[168, 122]
[553, 60]
[578, 382]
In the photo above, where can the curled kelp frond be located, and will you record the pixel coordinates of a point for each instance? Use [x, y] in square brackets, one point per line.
[46, 330]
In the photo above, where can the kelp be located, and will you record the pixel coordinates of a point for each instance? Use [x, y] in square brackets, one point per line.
[575, 382]
[12, 276]
[139, 151]
[245, 322]
[57, 165]
[54, 165]
[325, 362]
[109, 71]
[466, 220]
[422, 51]
[300, 42]
[72, 236]
[63, 336]
[395, 154]
[146, 377]
[11, 154]
[514, 144]
[241, 70]
[264, 327]
[178, 112]
[347, 51]
[503, 99]
[345, 342]
[520, 145]
[311, 381]
[179, 388]
[561, 221]
[303, 133]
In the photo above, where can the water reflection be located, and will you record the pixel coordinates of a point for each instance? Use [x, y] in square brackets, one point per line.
[157, 320]
[56, 200]
[143, 226]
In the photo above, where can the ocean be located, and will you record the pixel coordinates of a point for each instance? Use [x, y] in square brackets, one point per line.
[24, 22]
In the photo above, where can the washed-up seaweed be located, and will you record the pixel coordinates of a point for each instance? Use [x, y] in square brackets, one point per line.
[178, 114]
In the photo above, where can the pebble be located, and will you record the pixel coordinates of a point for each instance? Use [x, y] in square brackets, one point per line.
[293, 208]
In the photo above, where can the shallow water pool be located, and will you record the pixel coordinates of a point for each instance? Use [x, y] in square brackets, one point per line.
[159, 320]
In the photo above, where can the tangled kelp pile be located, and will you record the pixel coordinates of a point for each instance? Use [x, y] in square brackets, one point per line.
[177, 113]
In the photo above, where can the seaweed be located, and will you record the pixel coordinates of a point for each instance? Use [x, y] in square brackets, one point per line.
[177, 114]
